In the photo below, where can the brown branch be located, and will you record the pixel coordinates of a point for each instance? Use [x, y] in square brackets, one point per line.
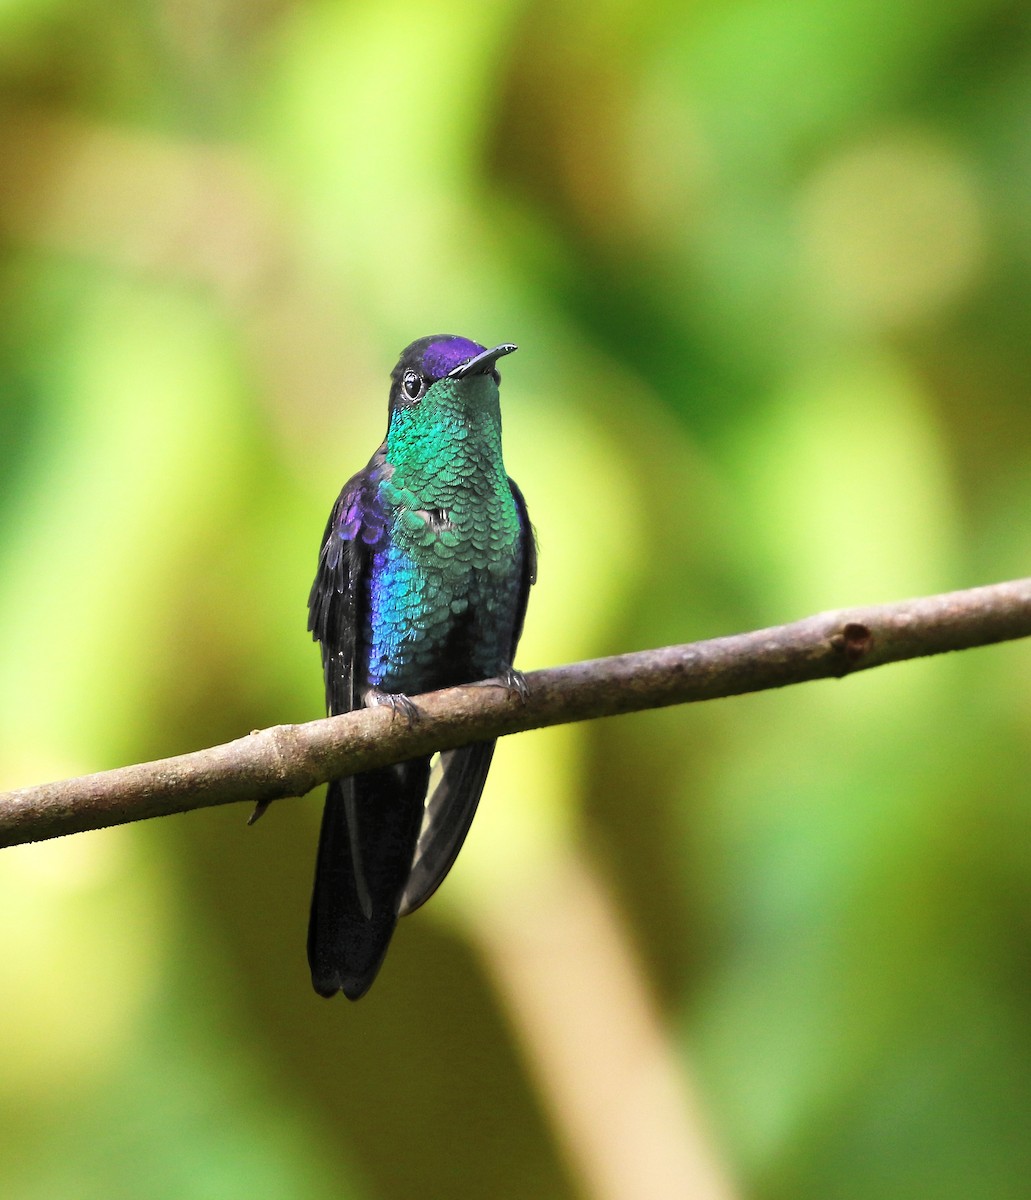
[290, 760]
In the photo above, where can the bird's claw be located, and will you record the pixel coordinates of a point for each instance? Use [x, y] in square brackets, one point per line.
[515, 681]
[511, 680]
[398, 703]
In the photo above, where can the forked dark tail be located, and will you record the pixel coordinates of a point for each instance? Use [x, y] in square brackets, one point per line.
[370, 829]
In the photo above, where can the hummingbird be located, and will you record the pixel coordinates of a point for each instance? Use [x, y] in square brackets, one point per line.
[422, 582]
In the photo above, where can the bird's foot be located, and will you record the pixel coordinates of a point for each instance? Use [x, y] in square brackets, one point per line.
[398, 702]
[511, 680]
[515, 681]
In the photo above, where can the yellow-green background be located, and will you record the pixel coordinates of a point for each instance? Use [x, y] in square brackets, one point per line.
[768, 266]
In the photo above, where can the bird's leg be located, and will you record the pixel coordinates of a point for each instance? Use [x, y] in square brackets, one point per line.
[397, 701]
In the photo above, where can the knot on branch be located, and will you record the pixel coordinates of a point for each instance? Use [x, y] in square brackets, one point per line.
[851, 644]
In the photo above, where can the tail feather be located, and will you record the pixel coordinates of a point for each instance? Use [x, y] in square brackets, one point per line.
[370, 829]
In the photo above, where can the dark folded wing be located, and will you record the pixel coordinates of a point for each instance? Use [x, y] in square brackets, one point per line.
[336, 603]
[528, 577]
[449, 813]
[453, 801]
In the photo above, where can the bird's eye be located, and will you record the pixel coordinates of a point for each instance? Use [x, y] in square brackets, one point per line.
[413, 384]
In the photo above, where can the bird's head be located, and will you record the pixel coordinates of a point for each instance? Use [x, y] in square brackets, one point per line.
[444, 362]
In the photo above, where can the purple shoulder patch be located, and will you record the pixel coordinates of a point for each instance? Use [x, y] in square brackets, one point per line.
[441, 358]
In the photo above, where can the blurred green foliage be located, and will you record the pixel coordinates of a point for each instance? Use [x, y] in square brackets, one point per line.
[769, 268]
